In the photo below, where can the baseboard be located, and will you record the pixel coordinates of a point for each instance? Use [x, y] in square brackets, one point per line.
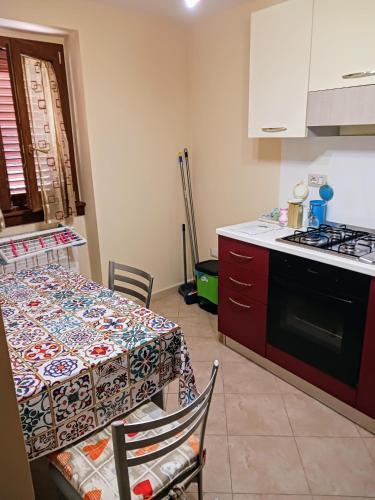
[158, 294]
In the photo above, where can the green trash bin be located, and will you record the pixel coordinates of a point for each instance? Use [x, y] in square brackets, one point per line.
[207, 278]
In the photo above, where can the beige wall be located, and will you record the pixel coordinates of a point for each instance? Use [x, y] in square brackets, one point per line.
[134, 92]
[235, 178]
[144, 87]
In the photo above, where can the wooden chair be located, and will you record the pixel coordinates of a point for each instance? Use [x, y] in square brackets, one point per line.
[146, 285]
[152, 454]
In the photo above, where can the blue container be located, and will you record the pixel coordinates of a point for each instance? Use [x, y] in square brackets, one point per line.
[319, 209]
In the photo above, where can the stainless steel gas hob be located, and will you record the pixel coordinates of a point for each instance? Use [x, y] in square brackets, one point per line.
[347, 241]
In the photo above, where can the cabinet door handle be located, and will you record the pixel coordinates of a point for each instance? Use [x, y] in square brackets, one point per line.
[240, 282]
[244, 306]
[239, 256]
[360, 74]
[274, 129]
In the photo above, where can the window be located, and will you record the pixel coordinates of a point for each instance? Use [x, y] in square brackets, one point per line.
[35, 132]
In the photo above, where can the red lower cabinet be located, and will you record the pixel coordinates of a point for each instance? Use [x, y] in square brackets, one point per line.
[243, 298]
[243, 281]
[366, 386]
[243, 320]
[243, 293]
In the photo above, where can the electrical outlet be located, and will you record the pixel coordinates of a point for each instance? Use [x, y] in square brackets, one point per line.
[317, 180]
[214, 253]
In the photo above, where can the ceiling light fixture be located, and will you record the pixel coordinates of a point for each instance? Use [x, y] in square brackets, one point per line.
[191, 3]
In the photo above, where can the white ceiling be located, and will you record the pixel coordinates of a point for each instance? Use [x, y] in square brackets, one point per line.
[176, 8]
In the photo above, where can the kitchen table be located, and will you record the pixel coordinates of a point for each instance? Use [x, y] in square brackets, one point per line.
[82, 355]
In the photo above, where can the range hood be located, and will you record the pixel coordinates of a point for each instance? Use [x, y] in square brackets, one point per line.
[345, 111]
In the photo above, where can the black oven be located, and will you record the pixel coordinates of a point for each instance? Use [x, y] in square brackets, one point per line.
[317, 313]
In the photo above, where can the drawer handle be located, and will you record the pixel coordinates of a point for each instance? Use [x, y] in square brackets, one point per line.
[244, 306]
[239, 256]
[272, 130]
[360, 74]
[240, 283]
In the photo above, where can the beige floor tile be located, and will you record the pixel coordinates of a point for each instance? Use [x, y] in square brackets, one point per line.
[249, 496]
[214, 321]
[217, 496]
[370, 443]
[192, 311]
[216, 423]
[209, 349]
[309, 417]
[257, 415]
[364, 433]
[193, 495]
[173, 387]
[190, 495]
[172, 403]
[337, 466]
[203, 349]
[197, 327]
[216, 474]
[168, 306]
[227, 355]
[266, 465]
[286, 388]
[202, 372]
[248, 378]
[327, 497]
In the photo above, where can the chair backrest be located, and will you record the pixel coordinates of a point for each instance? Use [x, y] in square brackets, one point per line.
[194, 415]
[119, 273]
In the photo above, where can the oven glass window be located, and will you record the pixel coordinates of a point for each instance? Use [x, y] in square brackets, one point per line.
[315, 322]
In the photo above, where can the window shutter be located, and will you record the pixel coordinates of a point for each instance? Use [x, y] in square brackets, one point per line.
[9, 131]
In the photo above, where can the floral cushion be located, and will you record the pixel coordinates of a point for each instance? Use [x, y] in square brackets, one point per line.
[89, 465]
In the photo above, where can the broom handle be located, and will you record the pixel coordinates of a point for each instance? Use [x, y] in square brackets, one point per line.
[181, 164]
[194, 230]
[184, 251]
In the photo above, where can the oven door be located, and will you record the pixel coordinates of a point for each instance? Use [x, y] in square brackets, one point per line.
[320, 328]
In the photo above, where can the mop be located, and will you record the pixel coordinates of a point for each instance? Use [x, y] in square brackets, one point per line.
[188, 289]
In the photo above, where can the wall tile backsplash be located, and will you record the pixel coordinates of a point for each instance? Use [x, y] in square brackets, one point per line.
[349, 163]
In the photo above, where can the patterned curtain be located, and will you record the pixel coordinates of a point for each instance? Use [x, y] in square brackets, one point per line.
[49, 140]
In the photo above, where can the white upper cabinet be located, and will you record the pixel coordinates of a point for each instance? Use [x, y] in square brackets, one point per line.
[279, 69]
[343, 44]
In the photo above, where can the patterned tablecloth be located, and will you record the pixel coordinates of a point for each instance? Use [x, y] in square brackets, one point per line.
[82, 355]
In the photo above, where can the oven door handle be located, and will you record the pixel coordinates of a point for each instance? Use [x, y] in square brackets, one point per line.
[298, 287]
[339, 299]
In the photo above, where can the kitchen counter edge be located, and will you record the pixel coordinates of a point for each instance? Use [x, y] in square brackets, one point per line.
[269, 240]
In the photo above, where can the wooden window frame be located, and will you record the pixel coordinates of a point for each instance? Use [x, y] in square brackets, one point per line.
[54, 53]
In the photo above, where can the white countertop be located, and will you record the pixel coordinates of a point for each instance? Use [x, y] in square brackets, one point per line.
[268, 239]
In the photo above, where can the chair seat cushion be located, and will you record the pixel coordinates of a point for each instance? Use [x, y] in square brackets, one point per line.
[89, 465]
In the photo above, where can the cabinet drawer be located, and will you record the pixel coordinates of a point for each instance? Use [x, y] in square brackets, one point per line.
[243, 320]
[247, 282]
[245, 255]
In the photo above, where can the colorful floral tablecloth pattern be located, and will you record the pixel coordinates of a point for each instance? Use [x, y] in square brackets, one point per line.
[82, 354]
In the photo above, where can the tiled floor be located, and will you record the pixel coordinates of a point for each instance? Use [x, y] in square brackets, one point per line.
[265, 439]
